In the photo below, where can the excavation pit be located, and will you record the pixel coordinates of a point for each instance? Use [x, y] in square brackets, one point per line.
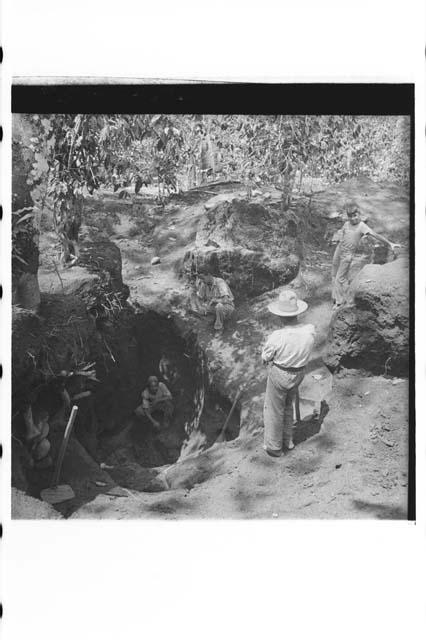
[111, 445]
[198, 406]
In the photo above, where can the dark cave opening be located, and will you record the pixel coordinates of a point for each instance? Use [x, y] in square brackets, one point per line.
[180, 364]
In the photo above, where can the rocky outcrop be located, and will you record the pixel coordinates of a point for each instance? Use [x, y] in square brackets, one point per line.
[244, 243]
[104, 258]
[374, 334]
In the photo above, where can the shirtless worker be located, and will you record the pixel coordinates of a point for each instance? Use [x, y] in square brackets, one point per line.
[156, 398]
[349, 238]
[213, 296]
[286, 353]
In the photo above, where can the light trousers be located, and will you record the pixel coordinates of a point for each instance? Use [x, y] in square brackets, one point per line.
[163, 406]
[281, 389]
[340, 275]
[223, 311]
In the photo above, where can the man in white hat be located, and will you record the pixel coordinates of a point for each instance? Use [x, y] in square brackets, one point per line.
[286, 352]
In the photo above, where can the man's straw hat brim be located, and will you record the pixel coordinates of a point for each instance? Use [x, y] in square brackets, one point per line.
[276, 308]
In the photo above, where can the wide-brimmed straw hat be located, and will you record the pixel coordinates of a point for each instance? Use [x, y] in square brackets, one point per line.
[288, 304]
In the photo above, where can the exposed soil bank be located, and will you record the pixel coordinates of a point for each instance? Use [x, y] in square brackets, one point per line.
[248, 245]
[351, 463]
[106, 429]
[355, 467]
[374, 333]
[198, 406]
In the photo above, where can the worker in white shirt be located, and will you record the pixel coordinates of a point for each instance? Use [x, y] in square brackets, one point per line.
[156, 398]
[286, 353]
[213, 296]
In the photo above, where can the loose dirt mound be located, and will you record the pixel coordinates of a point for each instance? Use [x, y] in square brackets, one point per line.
[243, 243]
[25, 507]
[97, 279]
[354, 467]
[374, 334]
[103, 257]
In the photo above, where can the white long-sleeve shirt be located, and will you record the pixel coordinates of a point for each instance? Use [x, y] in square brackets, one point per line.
[218, 290]
[290, 346]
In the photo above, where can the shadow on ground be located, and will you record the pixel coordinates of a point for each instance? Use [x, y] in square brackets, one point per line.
[381, 511]
[311, 425]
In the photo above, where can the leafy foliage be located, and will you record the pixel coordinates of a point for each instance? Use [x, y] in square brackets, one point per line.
[75, 153]
[331, 147]
[84, 151]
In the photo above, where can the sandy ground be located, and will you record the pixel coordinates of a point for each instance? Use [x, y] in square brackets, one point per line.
[355, 467]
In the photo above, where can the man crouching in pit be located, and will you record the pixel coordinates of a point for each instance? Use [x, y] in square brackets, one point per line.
[156, 398]
[212, 296]
[286, 353]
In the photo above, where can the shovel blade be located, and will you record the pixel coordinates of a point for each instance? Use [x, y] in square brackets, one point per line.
[54, 495]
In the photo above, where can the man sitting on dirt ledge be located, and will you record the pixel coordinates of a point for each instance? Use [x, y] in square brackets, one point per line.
[348, 239]
[212, 296]
[156, 398]
[286, 353]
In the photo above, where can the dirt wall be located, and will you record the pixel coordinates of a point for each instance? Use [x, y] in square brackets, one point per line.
[243, 243]
[374, 333]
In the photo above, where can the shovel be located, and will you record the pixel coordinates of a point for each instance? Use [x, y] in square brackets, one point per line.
[297, 406]
[60, 492]
[221, 437]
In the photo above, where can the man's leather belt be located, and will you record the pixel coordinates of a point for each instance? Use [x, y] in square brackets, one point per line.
[295, 369]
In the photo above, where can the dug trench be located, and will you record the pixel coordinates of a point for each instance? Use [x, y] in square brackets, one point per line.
[113, 450]
[115, 453]
[198, 406]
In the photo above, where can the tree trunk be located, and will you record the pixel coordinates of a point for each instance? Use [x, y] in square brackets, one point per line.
[207, 164]
[68, 223]
[287, 181]
[25, 254]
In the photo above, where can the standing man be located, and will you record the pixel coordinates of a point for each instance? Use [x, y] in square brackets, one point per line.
[213, 296]
[286, 354]
[349, 238]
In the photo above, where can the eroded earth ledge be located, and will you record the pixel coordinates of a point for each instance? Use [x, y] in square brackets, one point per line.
[101, 330]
